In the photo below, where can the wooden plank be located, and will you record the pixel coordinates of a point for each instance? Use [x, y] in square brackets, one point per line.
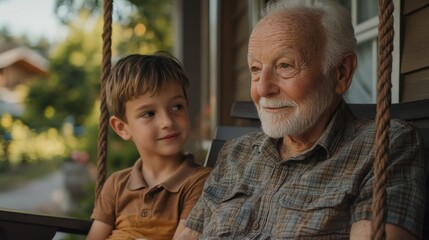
[415, 54]
[414, 5]
[234, 35]
[415, 86]
[12, 230]
[12, 219]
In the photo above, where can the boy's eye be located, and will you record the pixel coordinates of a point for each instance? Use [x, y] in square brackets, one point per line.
[148, 114]
[177, 107]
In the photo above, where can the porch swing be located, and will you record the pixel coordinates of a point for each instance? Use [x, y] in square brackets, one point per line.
[22, 225]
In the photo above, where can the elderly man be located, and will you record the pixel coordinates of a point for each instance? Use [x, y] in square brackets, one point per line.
[309, 174]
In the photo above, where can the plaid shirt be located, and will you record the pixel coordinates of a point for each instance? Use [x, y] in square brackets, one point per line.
[254, 194]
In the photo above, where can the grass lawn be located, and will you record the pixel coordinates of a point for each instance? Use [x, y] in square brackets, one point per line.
[18, 175]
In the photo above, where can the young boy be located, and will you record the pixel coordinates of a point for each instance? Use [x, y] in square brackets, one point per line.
[147, 99]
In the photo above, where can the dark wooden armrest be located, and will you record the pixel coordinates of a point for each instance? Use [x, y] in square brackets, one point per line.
[24, 225]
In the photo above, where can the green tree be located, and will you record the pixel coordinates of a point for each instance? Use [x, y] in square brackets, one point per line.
[71, 88]
[146, 24]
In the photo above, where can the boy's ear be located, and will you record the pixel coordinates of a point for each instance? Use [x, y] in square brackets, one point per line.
[345, 73]
[120, 127]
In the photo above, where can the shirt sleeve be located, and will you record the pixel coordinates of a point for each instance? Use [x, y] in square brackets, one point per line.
[104, 209]
[201, 211]
[194, 190]
[405, 182]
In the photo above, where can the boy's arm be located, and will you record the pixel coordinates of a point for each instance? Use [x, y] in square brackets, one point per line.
[193, 195]
[180, 227]
[185, 233]
[99, 231]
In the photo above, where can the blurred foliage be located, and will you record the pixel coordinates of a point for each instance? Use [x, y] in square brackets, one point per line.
[72, 86]
[146, 24]
[62, 109]
[48, 145]
[70, 90]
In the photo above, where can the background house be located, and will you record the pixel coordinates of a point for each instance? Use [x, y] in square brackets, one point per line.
[18, 65]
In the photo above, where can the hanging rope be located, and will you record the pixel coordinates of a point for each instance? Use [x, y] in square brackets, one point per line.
[384, 70]
[104, 113]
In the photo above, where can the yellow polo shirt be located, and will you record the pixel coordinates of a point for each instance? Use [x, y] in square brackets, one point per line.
[134, 210]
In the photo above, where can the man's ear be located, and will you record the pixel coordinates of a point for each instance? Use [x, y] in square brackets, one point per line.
[120, 127]
[345, 73]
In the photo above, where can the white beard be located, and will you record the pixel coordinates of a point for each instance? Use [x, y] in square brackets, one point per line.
[299, 117]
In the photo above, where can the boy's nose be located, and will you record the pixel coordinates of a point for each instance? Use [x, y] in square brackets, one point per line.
[167, 120]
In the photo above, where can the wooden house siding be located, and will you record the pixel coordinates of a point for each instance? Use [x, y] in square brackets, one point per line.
[415, 51]
[234, 79]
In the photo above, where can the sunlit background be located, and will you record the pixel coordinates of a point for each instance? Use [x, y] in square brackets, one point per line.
[50, 57]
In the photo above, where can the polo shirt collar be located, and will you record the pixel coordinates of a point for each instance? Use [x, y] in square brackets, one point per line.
[172, 184]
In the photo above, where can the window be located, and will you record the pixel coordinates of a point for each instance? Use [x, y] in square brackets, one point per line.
[364, 14]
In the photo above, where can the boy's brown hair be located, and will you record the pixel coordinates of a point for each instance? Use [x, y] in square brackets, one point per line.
[138, 74]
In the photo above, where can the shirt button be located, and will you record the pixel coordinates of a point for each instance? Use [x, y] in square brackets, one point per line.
[309, 199]
[255, 226]
[144, 213]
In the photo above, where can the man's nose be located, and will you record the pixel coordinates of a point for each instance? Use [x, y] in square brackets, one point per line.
[267, 85]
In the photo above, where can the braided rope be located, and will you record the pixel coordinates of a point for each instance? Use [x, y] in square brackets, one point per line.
[384, 70]
[104, 114]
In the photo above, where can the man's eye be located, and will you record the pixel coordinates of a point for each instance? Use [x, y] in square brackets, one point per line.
[286, 70]
[254, 69]
[177, 107]
[148, 114]
[284, 65]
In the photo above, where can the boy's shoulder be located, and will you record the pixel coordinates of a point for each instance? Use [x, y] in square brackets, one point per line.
[120, 177]
[197, 178]
[191, 173]
[202, 171]
[122, 172]
[197, 170]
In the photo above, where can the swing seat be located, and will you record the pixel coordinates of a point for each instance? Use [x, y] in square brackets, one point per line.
[23, 225]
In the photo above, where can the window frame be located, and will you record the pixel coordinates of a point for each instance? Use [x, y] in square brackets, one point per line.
[368, 31]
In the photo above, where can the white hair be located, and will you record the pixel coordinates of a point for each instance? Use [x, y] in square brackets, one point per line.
[335, 19]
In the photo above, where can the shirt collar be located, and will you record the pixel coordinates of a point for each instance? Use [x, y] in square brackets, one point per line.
[336, 129]
[172, 184]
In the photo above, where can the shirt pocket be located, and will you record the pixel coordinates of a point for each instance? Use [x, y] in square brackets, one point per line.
[230, 208]
[307, 214]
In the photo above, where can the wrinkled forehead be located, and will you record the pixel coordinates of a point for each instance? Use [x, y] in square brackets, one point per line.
[298, 25]
[299, 28]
